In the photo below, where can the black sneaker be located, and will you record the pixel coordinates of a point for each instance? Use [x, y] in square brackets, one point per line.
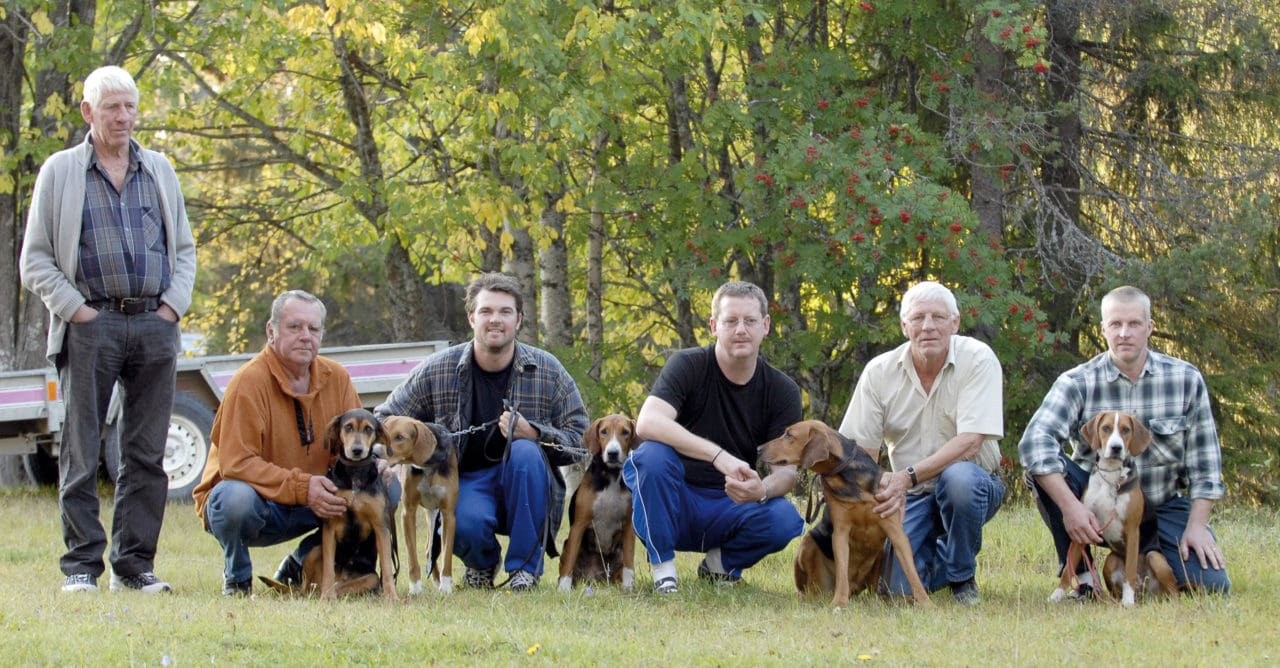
[146, 583]
[479, 578]
[244, 588]
[290, 572]
[966, 593]
[79, 582]
[722, 579]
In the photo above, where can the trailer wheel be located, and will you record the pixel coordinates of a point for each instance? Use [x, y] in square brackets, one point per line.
[187, 448]
[110, 469]
[41, 467]
[12, 472]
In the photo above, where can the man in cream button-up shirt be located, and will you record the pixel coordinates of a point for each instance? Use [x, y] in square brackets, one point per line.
[936, 404]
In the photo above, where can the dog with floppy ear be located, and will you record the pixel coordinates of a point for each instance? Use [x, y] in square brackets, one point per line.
[844, 552]
[1115, 498]
[428, 456]
[602, 541]
[358, 544]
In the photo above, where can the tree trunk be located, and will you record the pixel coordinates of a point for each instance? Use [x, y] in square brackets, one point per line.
[1060, 168]
[985, 184]
[556, 303]
[520, 264]
[13, 34]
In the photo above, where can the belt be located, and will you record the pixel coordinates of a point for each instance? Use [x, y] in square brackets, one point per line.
[126, 305]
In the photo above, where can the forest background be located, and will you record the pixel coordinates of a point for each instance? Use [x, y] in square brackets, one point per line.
[623, 159]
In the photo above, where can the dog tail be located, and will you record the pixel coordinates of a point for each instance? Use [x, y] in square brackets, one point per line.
[278, 586]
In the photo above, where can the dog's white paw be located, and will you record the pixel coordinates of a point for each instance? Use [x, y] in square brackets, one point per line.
[1127, 597]
[415, 587]
[628, 579]
[446, 584]
[1057, 595]
[566, 583]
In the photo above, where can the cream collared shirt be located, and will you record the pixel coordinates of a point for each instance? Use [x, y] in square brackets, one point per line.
[890, 408]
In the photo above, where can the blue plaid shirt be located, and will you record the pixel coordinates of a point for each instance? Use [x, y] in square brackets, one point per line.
[122, 240]
[439, 390]
[1170, 397]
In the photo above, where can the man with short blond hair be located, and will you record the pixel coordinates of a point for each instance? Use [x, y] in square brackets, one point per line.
[1180, 474]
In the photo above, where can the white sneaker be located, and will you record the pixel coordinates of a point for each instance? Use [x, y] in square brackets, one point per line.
[146, 583]
[80, 582]
[523, 581]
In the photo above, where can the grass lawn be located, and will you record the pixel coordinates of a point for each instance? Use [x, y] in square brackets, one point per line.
[763, 622]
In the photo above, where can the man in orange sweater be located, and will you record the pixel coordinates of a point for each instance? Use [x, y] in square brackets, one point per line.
[265, 479]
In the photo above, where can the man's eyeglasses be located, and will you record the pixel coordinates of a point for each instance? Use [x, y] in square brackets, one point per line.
[732, 323]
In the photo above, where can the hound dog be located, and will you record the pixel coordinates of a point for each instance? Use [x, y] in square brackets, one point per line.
[844, 552]
[601, 544]
[357, 544]
[1115, 498]
[429, 477]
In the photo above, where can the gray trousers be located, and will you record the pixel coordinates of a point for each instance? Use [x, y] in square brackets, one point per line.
[140, 351]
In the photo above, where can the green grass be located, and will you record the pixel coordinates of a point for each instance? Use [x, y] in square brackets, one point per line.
[762, 623]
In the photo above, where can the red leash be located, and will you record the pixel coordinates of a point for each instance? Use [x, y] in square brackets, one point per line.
[1079, 549]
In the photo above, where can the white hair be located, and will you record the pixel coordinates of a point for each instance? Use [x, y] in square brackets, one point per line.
[108, 79]
[928, 291]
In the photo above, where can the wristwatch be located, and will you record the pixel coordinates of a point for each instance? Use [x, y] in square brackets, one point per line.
[911, 471]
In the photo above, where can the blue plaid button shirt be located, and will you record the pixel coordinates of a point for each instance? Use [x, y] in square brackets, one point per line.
[1170, 397]
[122, 241]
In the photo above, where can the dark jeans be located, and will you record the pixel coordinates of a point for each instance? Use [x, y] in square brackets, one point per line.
[240, 519]
[1171, 521]
[140, 352]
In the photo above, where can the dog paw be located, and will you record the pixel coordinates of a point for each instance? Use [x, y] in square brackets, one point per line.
[415, 587]
[1127, 599]
[628, 579]
[566, 584]
[446, 584]
[1057, 595]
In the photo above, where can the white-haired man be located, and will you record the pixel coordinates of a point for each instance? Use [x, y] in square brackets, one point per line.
[110, 252]
[936, 404]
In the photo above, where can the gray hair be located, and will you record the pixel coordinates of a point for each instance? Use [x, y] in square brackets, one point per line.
[108, 79]
[928, 291]
[277, 306]
[739, 289]
[1127, 294]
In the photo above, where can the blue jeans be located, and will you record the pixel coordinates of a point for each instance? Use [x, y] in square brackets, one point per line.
[240, 519]
[670, 515]
[1171, 522]
[945, 527]
[509, 498]
[140, 352]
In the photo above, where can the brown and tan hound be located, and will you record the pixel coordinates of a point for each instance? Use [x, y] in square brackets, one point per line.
[844, 552]
[1115, 498]
[602, 542]
[428, 459]
[358, 544]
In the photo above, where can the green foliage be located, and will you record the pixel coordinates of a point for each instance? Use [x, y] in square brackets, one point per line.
[828, 152]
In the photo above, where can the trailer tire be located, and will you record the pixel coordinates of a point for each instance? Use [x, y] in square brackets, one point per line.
[187, 448]
[12, 472]
[110, 470]
[42, 468]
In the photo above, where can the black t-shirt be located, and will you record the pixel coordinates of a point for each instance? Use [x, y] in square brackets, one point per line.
[738, 418]
[488, 389]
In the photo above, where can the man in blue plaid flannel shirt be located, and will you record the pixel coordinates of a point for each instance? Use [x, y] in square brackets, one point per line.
[1180, 474]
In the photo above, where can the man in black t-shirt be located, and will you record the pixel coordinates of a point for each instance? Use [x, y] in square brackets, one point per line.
[693, 477]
